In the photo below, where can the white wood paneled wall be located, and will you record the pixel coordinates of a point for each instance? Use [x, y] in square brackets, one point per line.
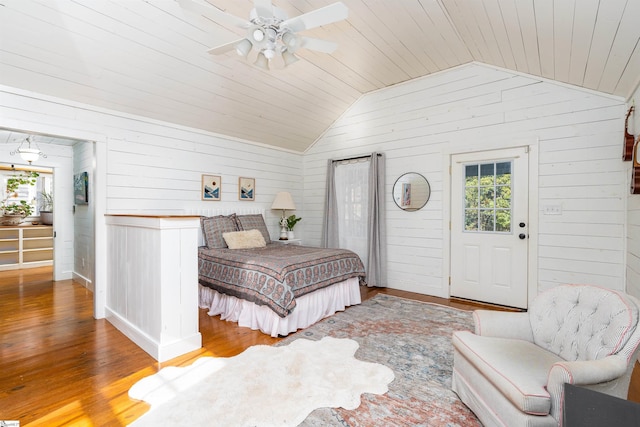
[156, 167]
[476, 107]
[633, 213]
[149, 167]
[83, 219]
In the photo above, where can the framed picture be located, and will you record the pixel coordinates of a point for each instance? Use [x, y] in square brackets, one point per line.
[406, 194]
[246, 188]
[211, 187]
[81, 188]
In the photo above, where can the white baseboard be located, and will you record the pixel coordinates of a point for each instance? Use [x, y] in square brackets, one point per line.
[87, 283]
[159, 351]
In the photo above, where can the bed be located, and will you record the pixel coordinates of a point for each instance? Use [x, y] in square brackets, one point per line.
[269, 286]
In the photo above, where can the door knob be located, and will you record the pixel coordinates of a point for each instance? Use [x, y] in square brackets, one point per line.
[522, 236]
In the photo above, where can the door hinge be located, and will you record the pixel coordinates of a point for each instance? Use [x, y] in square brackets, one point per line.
[449, 280]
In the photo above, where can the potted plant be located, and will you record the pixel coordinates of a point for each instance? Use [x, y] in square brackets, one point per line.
[46, 207]
[291, 222]
[14, 213]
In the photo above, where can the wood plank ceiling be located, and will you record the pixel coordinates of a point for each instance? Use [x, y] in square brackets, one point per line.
[149, 58]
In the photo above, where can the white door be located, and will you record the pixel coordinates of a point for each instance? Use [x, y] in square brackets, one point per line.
[489, 226]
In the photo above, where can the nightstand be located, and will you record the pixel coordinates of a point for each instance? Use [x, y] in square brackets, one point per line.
[297, 242]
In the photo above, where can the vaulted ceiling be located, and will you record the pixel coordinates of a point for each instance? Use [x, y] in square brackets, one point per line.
[149, 58]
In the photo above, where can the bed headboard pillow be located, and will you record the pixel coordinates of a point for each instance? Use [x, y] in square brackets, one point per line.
[213, 227]
[253, 222]
[244, 239]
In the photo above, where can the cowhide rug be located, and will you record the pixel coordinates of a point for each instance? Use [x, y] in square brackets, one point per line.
[263, 386]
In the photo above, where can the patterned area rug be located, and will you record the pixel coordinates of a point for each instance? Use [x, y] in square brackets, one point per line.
[413, 339]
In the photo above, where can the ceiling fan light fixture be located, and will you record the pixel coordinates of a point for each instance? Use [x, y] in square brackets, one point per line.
[262, 61]
[269, 53]
[244, 47]
[257, 34]
[289, 58]
[290, 40]
[270, 32]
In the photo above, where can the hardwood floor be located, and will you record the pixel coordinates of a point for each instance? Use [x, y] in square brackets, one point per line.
[60, 366]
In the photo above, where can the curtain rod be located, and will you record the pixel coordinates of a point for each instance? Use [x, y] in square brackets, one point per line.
[355, 158]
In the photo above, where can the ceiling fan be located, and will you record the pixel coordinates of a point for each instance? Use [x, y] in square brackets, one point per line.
[270, 32]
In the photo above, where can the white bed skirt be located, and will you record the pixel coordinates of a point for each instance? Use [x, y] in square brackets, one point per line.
[310, 308]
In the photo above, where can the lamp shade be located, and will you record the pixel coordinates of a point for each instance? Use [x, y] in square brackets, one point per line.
[243, 48]
[283, 201]
[262, 61]
[29, 154]
[288, 57]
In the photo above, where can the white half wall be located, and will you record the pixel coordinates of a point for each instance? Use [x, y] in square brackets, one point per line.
[418, 124]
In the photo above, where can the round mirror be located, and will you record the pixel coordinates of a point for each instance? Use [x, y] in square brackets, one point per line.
[411, 191]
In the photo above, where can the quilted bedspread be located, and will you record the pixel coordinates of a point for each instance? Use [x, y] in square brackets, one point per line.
[277, 274]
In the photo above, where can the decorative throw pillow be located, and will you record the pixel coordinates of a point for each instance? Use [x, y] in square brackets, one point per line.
[213, 227]
[244, 239]
[253, 222]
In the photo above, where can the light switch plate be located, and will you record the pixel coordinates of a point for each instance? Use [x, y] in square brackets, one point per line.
[552, 210]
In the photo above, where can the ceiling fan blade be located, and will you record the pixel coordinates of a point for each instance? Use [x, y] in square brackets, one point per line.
[319, 45]
[325, 15]
[263, 8]
[214, 14]
[224, 48]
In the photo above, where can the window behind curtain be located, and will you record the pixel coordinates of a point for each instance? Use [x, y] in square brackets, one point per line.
[352, 194]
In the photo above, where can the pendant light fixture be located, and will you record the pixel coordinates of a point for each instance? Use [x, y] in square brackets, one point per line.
[27, 152]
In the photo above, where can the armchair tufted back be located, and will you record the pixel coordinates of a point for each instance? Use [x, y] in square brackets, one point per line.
[581, 322]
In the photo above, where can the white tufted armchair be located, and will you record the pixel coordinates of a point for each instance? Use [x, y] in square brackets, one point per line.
[512, 371]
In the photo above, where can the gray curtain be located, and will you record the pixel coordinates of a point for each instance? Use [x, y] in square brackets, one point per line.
[330, 238]
[376, 235]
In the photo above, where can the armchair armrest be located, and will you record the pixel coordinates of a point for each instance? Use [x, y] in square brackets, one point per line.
[587, 372]
[582, 372]
[503, 324]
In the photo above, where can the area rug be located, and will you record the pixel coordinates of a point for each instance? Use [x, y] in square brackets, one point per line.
[413, 339]
[263, 386]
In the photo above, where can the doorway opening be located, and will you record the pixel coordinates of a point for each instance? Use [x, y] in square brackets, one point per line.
[26, 203]
[73, 241]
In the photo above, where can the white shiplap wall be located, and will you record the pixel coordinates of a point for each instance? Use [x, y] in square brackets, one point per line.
[155, 167]
[150, 167]
[83, 219]
[418, 124]
[633, 213]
